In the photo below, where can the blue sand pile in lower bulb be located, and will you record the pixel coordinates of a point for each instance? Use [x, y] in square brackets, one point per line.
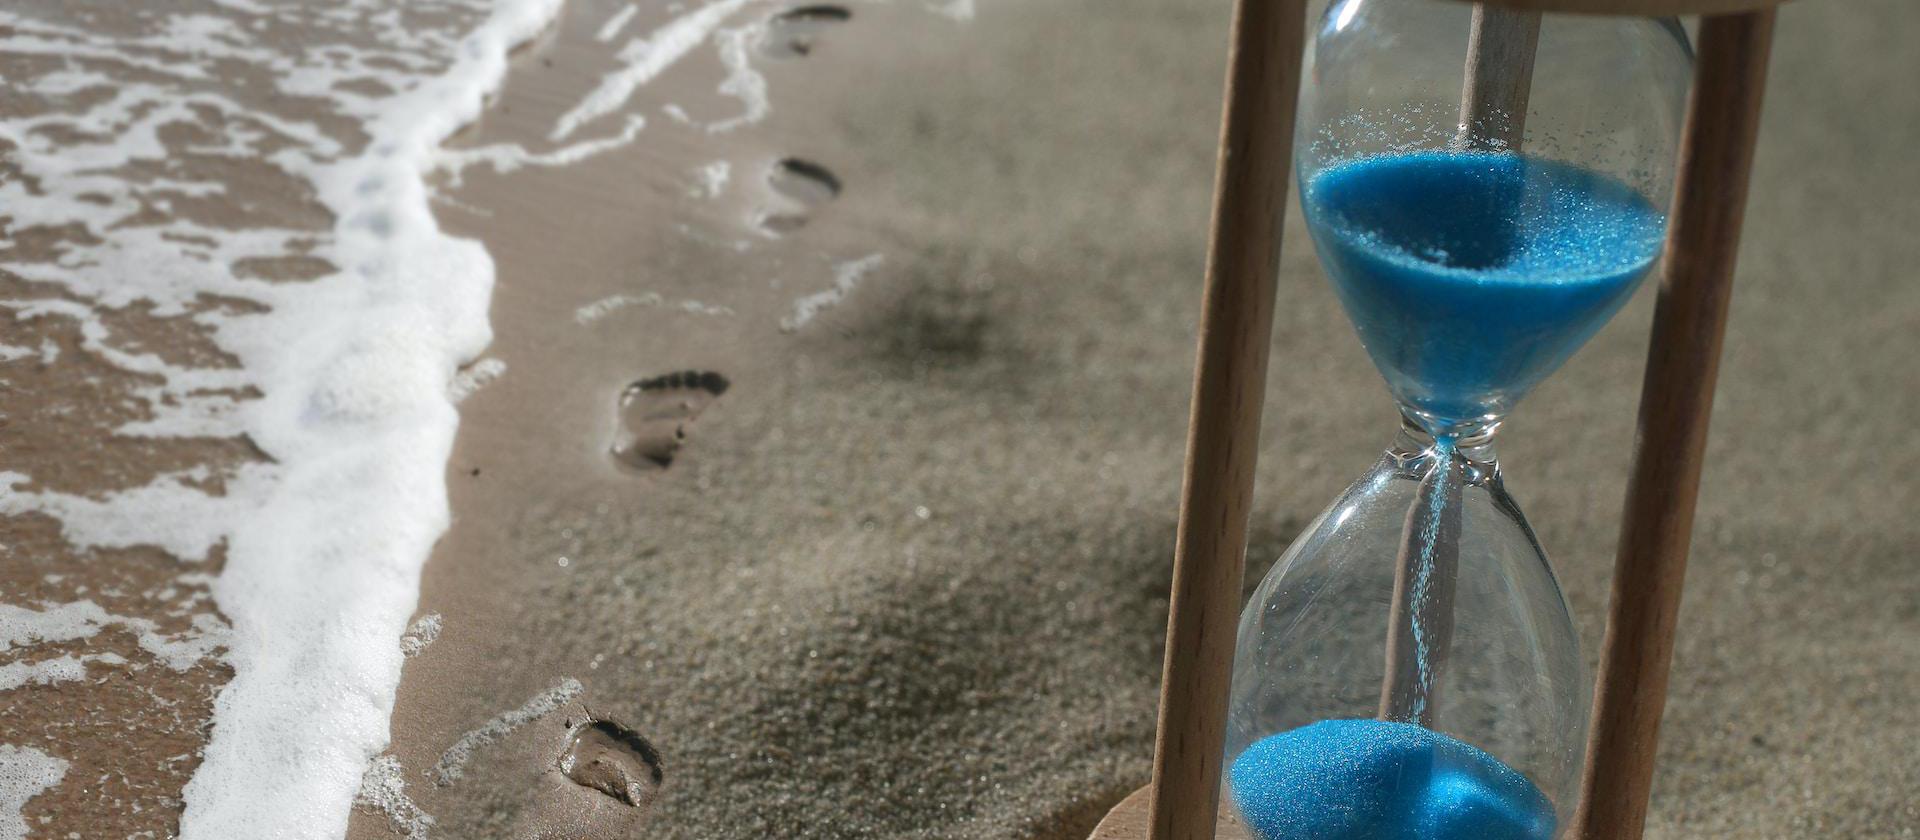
[1381, 780]
[1472, 275]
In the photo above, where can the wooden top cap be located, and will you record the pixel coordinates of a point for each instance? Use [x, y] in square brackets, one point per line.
[1639, 7]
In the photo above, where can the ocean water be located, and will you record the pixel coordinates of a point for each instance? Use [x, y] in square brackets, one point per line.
[1472, 276]
[251, 175]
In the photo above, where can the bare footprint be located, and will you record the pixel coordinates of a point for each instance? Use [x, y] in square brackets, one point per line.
[600, 783]
[792, 33]
[655, 414]
[613, 760]
[801, 186]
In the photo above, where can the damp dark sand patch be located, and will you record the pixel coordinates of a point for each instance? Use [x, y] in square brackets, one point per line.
[656, 413]
[954, 320]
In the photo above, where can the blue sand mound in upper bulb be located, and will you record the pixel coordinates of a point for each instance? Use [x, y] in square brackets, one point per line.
[1379, 780]
[1471, 276]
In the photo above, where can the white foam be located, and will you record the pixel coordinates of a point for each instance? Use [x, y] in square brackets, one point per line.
[24, 774]
[187, 649]
[63, 668]
[644, 58]
[507, 157]
[170, 514]
[478, 375]
[743, 82]
[59, 623]
[384, 789]
[421, 633]
[613, 303]
[614, 24]
[365, 441]
[961, 10]
[713, 180]
[453, 762]
[846, 278]
[84, 619]
[325, 539]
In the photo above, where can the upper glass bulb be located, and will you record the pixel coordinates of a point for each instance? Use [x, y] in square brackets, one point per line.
[1476, 245]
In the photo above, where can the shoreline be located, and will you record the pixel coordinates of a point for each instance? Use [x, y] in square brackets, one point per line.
[956, 482]
[903, 301]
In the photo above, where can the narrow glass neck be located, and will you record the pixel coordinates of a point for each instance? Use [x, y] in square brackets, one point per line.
[1471, 449]
[1468, 433]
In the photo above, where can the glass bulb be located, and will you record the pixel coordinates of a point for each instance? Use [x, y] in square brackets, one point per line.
[1476, 254]
[1408, 670]
[1320, 647]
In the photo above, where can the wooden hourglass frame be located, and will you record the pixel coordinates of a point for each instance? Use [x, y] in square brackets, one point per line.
[1716, 154]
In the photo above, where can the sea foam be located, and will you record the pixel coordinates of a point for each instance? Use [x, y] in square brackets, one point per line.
[342, 380]
[363, 439]
[24, 773]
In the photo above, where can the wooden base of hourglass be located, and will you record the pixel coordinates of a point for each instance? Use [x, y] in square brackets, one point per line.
[1128, 821]
[1689, 322]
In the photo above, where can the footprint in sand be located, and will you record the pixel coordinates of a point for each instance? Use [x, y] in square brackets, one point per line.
[655, 414]
[608, 778]
[792, 33]
[613, 760]
[799, 186]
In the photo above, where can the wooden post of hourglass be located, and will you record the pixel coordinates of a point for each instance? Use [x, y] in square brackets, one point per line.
[1683, 359]
[1716, 153]
[1499, 77]
[1223, 438]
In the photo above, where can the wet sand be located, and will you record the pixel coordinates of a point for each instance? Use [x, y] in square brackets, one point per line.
[905, 575]
[131, 723]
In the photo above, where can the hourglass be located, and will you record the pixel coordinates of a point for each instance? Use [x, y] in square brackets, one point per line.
[1409, 668]
[1485, 187]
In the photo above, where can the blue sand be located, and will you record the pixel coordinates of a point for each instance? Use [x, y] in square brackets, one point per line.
[1443, 449]
[1380, 780]
[1472, 275]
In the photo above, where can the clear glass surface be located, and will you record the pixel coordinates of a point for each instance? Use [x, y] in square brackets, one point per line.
[1409, 670]
[1473, 268]
[1313, 646]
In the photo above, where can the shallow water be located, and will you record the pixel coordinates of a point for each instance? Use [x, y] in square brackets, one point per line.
[246, 320]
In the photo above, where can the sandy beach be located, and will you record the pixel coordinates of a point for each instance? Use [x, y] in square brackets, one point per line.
[904, 299]
[906, 577]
